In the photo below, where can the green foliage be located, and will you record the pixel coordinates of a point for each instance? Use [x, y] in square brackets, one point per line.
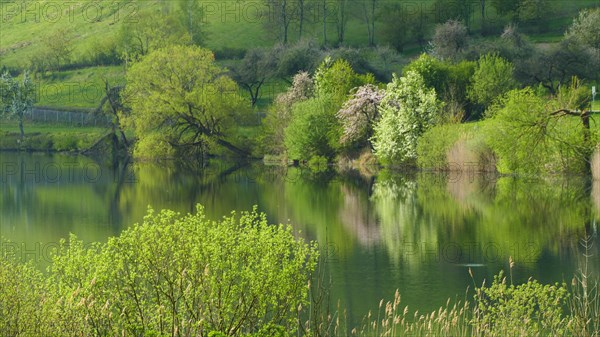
[450, 39]
[191, 17]
[407, 110]
[152, 30]
[272, 134]
[16, 97]
[187, 275]
[318, 164]
[336, 79]
[434, 145]
[65, 142]
[528, 138]
[492, 78]
[181, 102]
[585, 28]
[254, 69]
[434, 72]
[303, 56]
[529, 309]
[23, 301]
[313, 129]
[450, 81]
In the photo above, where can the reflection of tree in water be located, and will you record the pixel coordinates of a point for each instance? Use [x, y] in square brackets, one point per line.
[357, 213]
[525, 220]
[404, 228]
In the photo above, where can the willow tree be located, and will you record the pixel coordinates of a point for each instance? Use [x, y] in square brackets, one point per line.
[181, 102]
[532, 133]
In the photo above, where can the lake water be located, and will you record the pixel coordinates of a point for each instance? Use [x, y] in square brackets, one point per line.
[418, 233]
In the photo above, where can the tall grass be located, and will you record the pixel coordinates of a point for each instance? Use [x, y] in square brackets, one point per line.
[498, 309]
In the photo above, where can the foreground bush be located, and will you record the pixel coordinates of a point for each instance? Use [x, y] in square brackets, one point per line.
[169, 276]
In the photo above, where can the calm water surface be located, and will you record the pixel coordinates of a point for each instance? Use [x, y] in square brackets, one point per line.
[417, 233]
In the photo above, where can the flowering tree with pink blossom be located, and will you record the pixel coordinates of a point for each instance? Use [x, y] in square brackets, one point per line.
[358, 115]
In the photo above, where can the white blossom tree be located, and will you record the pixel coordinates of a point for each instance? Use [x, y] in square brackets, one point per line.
[16, 97]
[407, 110]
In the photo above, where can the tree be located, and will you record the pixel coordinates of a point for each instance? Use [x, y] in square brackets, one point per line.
[303, 8]
[457, 10]
[342, 19]
[58, 48]
[191, 17]
[312, 131]
[449, 40]
[359, 114]
[531, 133]
[492, 78]
[153, 30]
[16, 97]
[181, 100]
[557, 64]
[397, 26]
[386, 60]
[507, 8]
[112, 105]
[585, 28]
[257, 66]
[406, 111]
[281, 13]
[303, 56]
[536, 11]
[369, 9]
[325, 11]
[450, 81]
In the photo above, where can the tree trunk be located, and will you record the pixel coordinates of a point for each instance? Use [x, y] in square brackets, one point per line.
[373, 5]
[341, 21]
[300, 18]
[483, 29]
[285, 21]
[232, 147]
[585, 120]
[21, 127]
[324, 22]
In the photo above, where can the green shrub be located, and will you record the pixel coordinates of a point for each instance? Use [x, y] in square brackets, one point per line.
[434, 144]
[313, 130]
[492, 78]
[529, 309]
[318, 164]
[187, 275]
[65, 141]
[335, 79]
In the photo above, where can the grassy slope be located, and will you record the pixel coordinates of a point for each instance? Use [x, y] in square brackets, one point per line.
[231, 24]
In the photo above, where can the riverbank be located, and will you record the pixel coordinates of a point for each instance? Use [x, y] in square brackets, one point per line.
[48, 137]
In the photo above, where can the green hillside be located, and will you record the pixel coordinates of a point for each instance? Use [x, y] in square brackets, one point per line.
[230, 27]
